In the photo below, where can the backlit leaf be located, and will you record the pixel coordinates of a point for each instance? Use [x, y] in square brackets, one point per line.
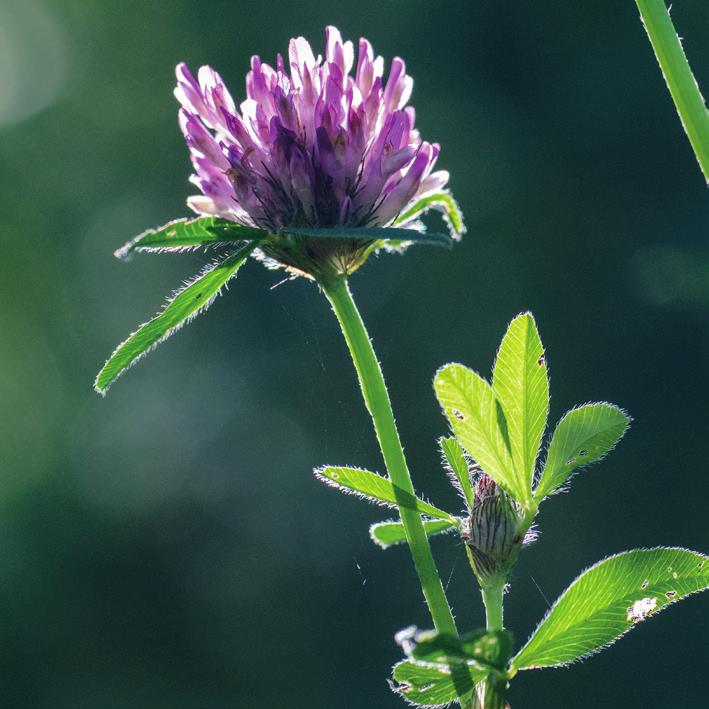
[187, 234]
[609, 599]
[521, 385]
[584, 435]
[186, 304]
[372, 234]
[434, 685]
[455, 458]
[377, 489]
[386, 534]
[478, 423]
[442, 202]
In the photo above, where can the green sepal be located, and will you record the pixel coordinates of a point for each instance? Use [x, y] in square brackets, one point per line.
[390, 533]
[189, 234]
[377, 489]
[187, 303]
[608, 600]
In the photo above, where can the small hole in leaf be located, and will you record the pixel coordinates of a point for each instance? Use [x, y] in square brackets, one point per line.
[458, 415]
[701, 564]
[583, 453]
[644, 584]
[541, 360]
[335, 476]
[671, 594]
[570, 461]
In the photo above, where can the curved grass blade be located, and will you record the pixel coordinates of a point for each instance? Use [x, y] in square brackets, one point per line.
[383, 234]
[186, 304]
[433, 685]
[521, 385]
[390, 533]
[377, 489]
[457, 465]
[188, 234]
[583, 436]
[443, 202]
[609, 599]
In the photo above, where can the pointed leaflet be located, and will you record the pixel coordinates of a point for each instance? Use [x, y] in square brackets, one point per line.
[371, 234]
[521, 385]
[478, 423]
[433, 685]
[180, 309]
[386, 534]
[377, 489]
[609, 599]
[584, 435]
[442, 202]
[455, 457]
[186, 234]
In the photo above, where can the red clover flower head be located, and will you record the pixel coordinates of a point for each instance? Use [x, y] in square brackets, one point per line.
[312, 146]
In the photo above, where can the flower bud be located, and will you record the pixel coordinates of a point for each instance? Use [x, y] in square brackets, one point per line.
[492, 531]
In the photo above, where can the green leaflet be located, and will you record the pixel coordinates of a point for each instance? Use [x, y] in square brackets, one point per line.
[584, 435]
[386, 534]
[521, 385]
[479, 424]
[185, 234]
[455, 457]
[187, 303]
[442, 202]
[384, 234]
[609, 599]
[487, 649]
[377, 489]
[434, 685]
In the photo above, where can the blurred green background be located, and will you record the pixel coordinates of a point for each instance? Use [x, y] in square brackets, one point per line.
[168, 546]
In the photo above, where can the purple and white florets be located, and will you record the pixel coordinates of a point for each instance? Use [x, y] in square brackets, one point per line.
[312, 145]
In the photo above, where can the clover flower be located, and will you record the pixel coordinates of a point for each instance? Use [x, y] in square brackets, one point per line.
[312, 145]
[317, 168]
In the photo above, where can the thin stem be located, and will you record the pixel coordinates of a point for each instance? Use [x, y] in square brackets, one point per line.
[377, 400]
[493, 601]
[678, 75]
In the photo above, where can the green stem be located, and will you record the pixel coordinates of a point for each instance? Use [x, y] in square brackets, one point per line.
[493, 595]
[493, 601]
[377, 400]
[678, 75]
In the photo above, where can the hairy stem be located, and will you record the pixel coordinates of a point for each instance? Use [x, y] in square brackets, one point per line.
[493, 601]
[678, 75]
[377, 400]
